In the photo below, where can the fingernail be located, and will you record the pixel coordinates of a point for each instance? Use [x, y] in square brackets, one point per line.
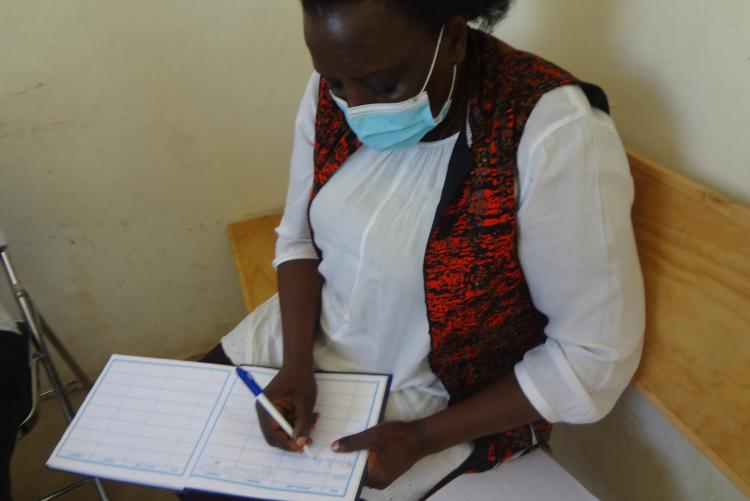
[335, 446]
[301, 441]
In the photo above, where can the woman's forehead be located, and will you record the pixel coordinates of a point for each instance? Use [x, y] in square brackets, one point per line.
[363, 38]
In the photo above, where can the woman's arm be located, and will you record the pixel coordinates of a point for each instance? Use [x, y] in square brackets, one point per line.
[576, 195]
[395, 446]
[300, 287]
[502, 406]
[296, 260]
[293, 390]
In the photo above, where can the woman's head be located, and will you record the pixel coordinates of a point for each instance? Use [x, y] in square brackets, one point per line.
[374, 51]
[431, 13]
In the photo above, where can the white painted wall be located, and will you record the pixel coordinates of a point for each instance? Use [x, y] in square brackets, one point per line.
[132, 132]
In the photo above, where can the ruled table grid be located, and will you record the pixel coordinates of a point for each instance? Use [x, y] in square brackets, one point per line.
[145, 415]
[236, 451]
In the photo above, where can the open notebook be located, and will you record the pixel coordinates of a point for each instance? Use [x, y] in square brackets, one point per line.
[188, 425]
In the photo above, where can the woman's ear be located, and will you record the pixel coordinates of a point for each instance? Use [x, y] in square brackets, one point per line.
[456, 38]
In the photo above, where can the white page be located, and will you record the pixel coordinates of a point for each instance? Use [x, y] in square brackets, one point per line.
[143, 421]
[148, 420]
[533, 477]
[237, 460]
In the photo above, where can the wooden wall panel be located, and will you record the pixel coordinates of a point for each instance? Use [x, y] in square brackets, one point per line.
[694, 247]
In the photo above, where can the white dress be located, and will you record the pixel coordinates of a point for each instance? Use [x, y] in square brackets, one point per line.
[372, 221]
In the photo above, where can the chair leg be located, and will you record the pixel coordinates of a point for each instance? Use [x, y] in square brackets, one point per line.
[54, 379]
[100, 490]
[64, 354]
[66, 489]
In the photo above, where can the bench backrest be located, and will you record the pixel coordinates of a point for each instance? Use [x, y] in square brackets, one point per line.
[253, 242]
[694, 247]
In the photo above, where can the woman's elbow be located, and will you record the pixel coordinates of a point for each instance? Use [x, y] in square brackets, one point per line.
[605, 393]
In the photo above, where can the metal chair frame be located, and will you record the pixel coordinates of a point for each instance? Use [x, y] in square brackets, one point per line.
[38, 331]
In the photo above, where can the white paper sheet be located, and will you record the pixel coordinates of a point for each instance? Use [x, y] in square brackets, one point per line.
[236, 458]
[180, 424]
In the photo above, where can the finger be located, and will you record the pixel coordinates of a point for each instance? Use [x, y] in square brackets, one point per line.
[268, 428]
[285, 406]
[282, 439]
[365, 440]
[316, 417]
[303, 423]
[286, 441]
[277, 437]
[272, 432]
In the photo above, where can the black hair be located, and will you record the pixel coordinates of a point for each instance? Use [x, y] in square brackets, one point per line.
[433, 13]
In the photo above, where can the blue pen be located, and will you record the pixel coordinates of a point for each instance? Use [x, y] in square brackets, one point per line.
[251, 383]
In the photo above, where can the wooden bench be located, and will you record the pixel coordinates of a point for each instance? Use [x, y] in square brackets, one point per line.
[694, 247]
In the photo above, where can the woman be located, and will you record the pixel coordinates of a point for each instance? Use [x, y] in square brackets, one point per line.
[457, 216]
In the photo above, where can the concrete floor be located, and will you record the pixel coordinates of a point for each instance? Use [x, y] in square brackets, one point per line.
[31, 480]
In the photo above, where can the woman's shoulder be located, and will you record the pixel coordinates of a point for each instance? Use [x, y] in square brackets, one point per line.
[564, 107]
[564, 124]
[561, 106]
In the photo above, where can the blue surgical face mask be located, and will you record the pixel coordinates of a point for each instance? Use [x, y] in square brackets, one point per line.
[389, 126]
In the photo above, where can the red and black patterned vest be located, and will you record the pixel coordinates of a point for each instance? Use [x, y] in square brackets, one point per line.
[480, 314]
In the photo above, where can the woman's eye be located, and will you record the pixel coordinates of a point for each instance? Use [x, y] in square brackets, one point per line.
[389, 90]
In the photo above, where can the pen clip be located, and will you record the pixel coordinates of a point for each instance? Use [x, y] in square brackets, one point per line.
[248, 379]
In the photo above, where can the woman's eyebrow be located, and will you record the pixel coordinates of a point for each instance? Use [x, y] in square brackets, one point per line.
[369, 75]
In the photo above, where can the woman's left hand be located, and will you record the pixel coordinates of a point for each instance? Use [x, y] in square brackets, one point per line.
[393, 448]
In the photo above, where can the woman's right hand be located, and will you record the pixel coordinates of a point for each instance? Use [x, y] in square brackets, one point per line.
[293, 392]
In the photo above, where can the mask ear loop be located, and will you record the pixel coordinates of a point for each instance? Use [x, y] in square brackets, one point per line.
[434, 59]
[446, 107]
[453, 81]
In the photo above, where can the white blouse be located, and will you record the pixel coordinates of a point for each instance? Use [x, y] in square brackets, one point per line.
[575, 244]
